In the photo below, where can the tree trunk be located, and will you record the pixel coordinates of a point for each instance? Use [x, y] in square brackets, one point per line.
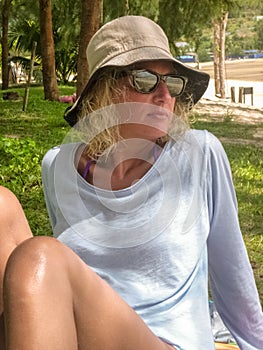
[91, 18]
[47, 51]
[127, 7]
[216, 56]
[222, 56]
[219, 54]
[6, 4]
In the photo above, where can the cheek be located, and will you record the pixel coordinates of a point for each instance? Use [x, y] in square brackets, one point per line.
[132, 95]
[129, 95]
[171, 104]
[123, 92]
[119, 97]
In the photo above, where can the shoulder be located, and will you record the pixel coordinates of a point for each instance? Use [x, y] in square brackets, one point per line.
[204, 137]
[63, 151]
[50, 156]
[207, 142]
[199, 141]
[204, 149]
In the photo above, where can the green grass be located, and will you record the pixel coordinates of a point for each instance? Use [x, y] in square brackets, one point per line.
[229, 129]
[31, 134]
[26, 136]
[246, 162]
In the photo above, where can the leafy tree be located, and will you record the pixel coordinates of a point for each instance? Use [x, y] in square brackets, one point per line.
[22, 34]
[66, 29]
[260, 34]
[24, 27]
[116, 8]
[113, 9]
[222, 8]
[184, 20]
[24, 30]
[188, 21]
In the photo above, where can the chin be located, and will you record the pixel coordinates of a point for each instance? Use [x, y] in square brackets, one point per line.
[153, 133]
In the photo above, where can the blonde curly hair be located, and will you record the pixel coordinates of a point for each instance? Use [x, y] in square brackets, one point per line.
[104, 124]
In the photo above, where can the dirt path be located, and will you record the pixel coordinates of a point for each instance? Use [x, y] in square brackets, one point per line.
[222, 110]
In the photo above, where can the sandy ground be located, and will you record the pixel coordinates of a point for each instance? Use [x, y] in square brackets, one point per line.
[223, 109]
[212, 108]
[240, 73]
[245, 70]
[209, 110]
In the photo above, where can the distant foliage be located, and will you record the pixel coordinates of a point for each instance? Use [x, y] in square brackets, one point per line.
[22, 164]
[260, 34]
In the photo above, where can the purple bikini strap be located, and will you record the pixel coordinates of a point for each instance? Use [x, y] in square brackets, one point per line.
[91, 161]
[87, 167]
[155, 153]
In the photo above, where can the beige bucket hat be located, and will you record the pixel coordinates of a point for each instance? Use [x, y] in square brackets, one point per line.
[128, 40]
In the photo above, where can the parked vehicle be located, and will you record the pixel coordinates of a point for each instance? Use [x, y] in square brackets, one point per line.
[190, 59]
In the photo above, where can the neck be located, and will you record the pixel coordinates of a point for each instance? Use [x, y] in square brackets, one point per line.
[129, 154]
[127, 163]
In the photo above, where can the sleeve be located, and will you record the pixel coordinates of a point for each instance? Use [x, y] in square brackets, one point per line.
[231, 276]
[48, 183]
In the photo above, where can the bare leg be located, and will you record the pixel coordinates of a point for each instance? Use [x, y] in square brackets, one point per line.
[14, 229]
[60, 303]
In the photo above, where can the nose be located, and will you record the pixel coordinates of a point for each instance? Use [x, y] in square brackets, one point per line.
[162, 93]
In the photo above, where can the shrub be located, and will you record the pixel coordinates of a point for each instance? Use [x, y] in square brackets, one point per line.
[22, 164]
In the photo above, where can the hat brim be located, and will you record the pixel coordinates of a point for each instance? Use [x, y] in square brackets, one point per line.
[197, 81]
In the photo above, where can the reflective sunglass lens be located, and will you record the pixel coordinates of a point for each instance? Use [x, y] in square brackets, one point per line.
[145, 81]
[175, 85]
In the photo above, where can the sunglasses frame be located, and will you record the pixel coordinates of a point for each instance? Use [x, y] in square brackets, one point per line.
[160, 77]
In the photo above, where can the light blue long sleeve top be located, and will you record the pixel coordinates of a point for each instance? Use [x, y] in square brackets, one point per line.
[159, 241]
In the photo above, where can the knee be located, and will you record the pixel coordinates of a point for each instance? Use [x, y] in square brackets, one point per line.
[32, 263]
[13, 222]
[8, 200]
[8, 205]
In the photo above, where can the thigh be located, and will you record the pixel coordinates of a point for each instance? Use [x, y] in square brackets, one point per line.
[14, 229]
[65, 305]
[105, 321]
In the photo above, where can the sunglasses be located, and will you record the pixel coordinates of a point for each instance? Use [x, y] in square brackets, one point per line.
[146, 82]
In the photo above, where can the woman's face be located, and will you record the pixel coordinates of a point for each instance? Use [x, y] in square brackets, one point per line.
[152, 112]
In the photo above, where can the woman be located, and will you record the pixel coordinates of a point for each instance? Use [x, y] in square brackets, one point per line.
[143, 208]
